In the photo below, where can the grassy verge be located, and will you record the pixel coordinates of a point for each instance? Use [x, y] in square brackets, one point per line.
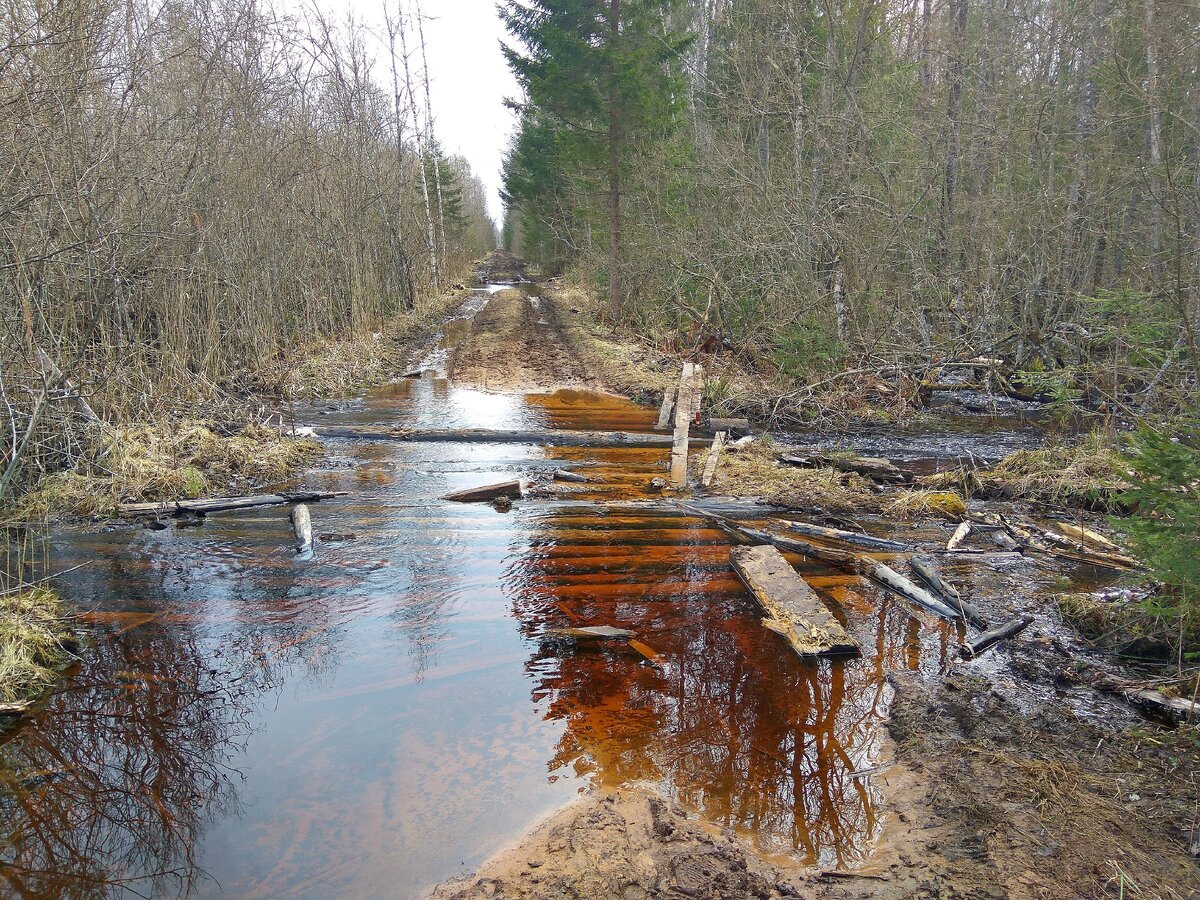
[35, 643]
[184, 460]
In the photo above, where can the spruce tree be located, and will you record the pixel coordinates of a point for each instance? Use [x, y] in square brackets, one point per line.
[600, 78]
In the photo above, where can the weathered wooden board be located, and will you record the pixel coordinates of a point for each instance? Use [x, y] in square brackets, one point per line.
[683, 422]
[589, 633]
[794, 611]
[714, 454]
[664, 411]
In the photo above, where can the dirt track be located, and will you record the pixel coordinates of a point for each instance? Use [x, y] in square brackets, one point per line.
[515, 343]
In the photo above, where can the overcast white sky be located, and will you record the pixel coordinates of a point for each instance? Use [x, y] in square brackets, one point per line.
[468, 77]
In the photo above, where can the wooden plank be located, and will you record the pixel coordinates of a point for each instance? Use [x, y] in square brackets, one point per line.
[697, 393]
[794, 611]
[731, 427]
[664, 411]
[510, 489]
[683, 421]
[714, 454]
[588, 633]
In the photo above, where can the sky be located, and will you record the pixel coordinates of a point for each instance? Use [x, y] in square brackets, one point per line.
[469, 79]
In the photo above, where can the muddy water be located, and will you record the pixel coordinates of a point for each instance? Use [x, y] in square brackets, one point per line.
[387, 713]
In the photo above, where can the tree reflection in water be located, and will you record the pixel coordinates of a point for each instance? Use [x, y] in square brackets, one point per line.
[735, 727]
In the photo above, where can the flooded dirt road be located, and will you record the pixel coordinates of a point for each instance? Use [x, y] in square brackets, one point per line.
[387, 713]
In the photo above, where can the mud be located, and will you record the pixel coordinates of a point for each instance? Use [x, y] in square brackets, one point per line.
[516, 343]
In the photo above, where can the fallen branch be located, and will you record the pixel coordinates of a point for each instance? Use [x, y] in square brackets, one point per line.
[548, 437]
[960, 535]
[854, 538]
[302, 525]
[223, 504]
[510, 489]
[989, 639]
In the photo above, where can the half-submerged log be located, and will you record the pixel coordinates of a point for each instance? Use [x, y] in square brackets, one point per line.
[926, 570]
[853, 562]
[546, 437]
[510, 489]
[854, 538]
[714, 454]
[794, 611]
[573, 477]
[223, 504]
[588, 633]
[989, 639]
[868, 466]
[302, 525]
[1179, 709]
[1086, 536]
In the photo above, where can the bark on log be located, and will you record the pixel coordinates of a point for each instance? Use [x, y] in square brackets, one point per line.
[960, 535]
[588, 633]
[794, 611]
[864, 565]
[1178, 709]
[510, 489]
[223, 504]
[683, 421]
[664, 411]
[989, 639]
[714, 454]
[927, 571]
[869, 541]
[302, 525]
[549, 438]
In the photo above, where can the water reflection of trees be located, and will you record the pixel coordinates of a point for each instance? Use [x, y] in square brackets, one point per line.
[741, 731]
[115, 781]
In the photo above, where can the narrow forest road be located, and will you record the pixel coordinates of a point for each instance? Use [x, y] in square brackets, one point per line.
[395, 709]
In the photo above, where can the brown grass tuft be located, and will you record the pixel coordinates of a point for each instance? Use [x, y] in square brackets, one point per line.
[35, 643]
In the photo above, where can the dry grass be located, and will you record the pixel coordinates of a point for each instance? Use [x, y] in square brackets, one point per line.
[183, 461]
[351, 366]
[755, 471]
[35, 643]
[912, 504]
[1089, 474]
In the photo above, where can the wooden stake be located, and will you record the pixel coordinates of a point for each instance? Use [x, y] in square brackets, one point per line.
[664, 411]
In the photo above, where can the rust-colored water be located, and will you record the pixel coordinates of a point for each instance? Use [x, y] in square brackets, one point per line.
[387, 714]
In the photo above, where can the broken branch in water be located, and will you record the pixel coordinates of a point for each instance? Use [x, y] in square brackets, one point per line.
[223, 504]
[989, 639]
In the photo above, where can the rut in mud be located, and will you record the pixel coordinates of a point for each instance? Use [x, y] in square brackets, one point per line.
[389, 713]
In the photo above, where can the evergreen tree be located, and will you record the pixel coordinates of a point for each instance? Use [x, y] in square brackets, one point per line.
[600, 79]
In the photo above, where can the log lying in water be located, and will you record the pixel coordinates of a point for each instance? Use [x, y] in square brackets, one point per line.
[549, 438]
[794, 611]
[223, 504]
[588, 633]
[1057, 545]
[926, 570]
[869, 541]
[302, 525]
[989, 639]
[864, 565]
[572, 477]
[868, 466]
[510, 489]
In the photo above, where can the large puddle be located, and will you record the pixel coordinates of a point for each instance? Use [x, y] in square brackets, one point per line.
[387, 714]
